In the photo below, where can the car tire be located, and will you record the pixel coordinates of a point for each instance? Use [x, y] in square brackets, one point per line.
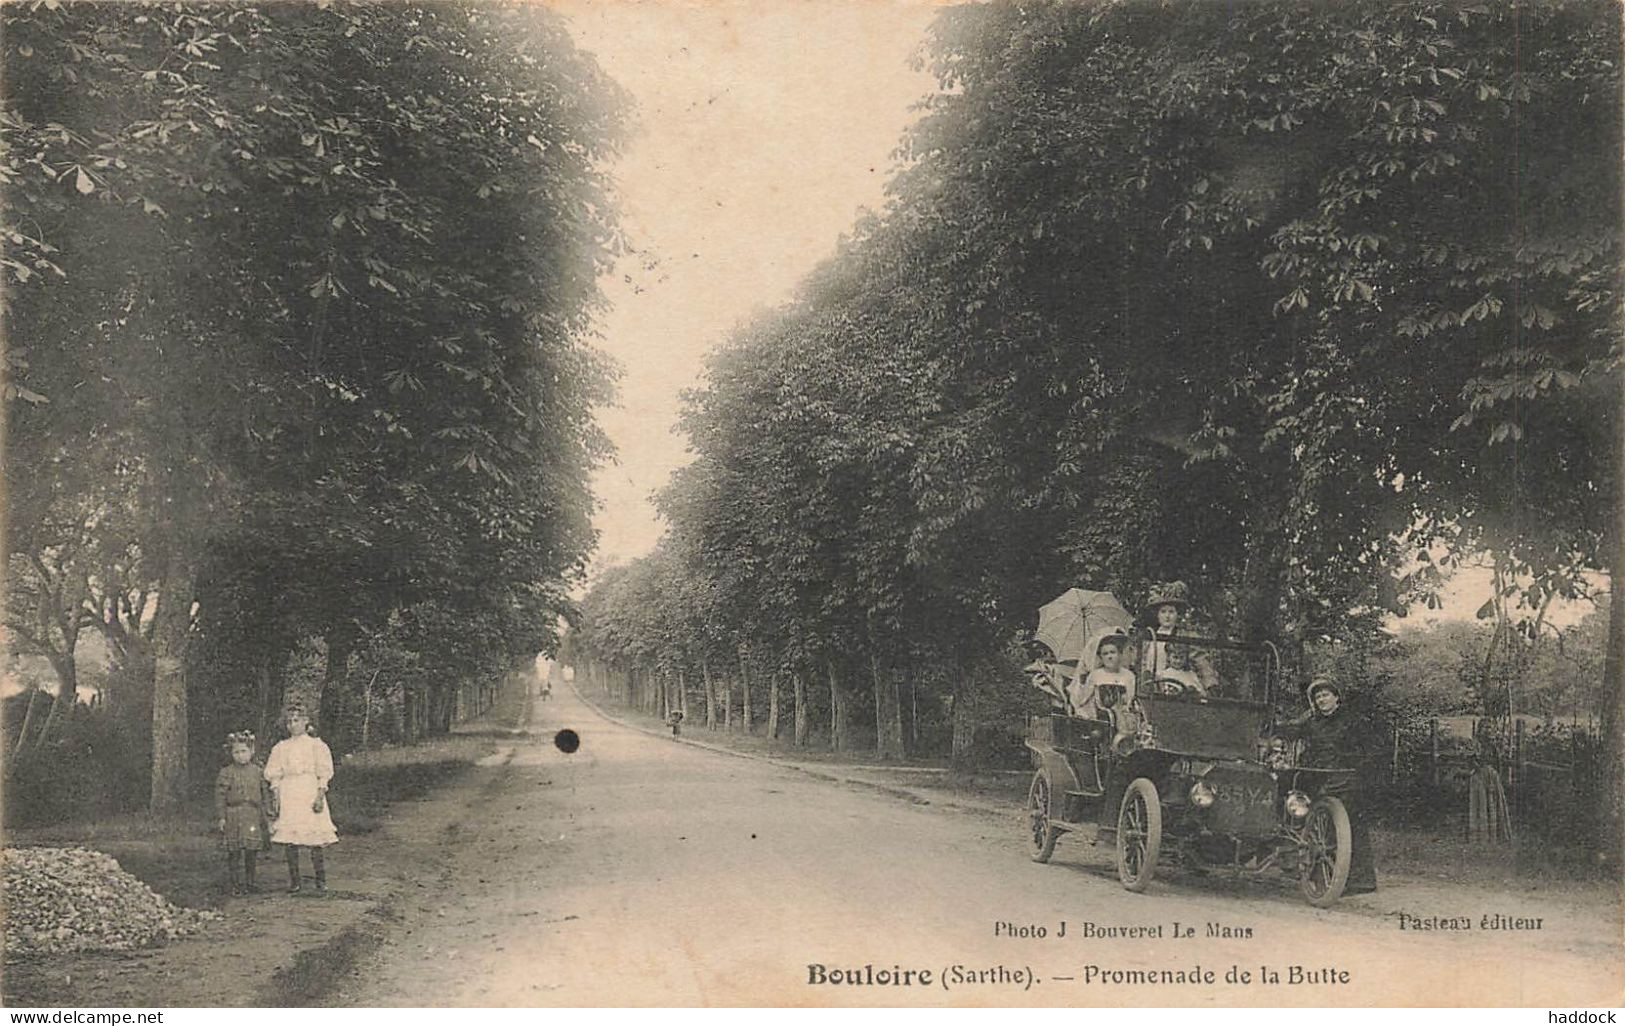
[1139, 835]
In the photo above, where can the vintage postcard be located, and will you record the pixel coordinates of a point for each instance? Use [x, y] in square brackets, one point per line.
[812, 503]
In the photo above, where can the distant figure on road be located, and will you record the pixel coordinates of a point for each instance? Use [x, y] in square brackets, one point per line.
[674, 719]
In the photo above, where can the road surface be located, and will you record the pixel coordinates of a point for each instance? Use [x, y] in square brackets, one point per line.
[641, 871]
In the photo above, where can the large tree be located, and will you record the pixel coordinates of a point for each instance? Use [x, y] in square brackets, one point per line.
[321, 277]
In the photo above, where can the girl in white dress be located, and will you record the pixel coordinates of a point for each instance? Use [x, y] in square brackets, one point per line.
[299, 770]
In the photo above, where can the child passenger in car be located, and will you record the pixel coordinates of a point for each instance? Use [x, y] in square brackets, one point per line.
[1084, 694]
[1111, 671]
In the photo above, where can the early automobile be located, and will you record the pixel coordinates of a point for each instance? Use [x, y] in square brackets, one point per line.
[1183, 776]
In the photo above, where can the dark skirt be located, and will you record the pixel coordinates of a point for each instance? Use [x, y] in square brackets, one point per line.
[246, 829]
[1362, 863]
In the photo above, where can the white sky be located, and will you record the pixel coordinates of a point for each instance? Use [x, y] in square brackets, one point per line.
[763, 128]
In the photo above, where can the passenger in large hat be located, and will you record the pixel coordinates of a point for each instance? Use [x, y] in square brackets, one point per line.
[1165, 659]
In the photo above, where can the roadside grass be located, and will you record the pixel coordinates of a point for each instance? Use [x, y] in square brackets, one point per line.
[316, 971]
[180, 857]
[1444, 853]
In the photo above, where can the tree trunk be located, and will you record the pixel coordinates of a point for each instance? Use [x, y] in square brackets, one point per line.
[839, 711]
[914, 707]
[773, 706]
[67, 675]
[682, 694]
[53, 713]
[1260, 599]
[1613, 707]
[888, 713]
[330, 714]
[744, 706]
[269, 698]
[130, 698]
[710, 694]
[962, 757]
[429, 714]
[727, 704]
[800, 735]
[445, 710]
[172, 630]
[67, 678]
[366, 709]
[28, 719]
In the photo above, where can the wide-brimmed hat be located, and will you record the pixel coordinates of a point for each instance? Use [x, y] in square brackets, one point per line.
[1172, 593]
[240, 737]
[1321, 682]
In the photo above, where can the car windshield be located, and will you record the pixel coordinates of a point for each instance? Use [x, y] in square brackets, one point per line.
[1221, 668]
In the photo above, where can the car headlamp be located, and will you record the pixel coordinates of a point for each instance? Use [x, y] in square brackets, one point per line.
[1297, 804]
[1202, 796]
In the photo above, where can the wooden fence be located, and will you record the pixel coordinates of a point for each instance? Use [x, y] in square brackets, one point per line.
[1551, 774]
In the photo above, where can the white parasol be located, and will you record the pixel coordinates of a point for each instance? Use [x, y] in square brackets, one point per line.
[1068, 623]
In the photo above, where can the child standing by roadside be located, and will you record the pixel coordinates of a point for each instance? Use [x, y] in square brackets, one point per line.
[239, 805]
[299, 770]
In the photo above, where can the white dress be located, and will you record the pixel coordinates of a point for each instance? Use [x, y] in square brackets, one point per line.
[297, 768]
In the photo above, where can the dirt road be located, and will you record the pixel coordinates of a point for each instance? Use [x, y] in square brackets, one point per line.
[641, 871]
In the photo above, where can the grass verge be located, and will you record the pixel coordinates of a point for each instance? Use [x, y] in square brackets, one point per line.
[180, 857]
[316, 971]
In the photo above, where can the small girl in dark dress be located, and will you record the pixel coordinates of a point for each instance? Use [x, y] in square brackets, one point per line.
[240, 795]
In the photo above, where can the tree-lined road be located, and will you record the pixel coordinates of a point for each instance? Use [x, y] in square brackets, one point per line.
[642, 871]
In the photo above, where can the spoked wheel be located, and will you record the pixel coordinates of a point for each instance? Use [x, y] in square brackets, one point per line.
[1323, 864]
[1042, 838]
[1139, 834]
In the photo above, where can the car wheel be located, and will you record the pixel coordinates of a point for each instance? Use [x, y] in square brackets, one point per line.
[1139, 834]
[1042, 835]
[1323, 863]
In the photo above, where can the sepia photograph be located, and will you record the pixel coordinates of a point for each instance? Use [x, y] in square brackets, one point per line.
[815, 504]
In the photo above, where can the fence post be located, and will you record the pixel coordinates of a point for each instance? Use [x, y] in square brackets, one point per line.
[1393, 772]
[1518, 762]
[1433, 750]
[1585, 823]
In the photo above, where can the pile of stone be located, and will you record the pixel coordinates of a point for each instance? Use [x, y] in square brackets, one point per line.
[73, 899]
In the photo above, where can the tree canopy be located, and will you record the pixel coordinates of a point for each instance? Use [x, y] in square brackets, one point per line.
[299, 307]
[1298, 302]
